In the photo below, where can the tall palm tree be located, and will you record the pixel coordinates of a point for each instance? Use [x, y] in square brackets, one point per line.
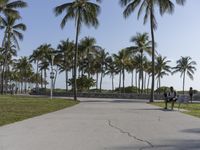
[185, 66]
[122, 59]
[12, 32]
[131, 67]
[102, 57]
[65, 50]
[36, 57]
[139, 63]
[162, 68]
[83, 12]
[111, 70]
[142, 44]
[24, 68]
[87, 47]
[149, 7]
[45, 61]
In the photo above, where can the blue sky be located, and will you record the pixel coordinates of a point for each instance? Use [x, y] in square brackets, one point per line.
[177, 35]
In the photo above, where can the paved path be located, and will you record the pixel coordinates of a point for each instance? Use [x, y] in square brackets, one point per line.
[104, 125]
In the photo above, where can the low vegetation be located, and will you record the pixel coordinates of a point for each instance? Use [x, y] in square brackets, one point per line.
[17, 108]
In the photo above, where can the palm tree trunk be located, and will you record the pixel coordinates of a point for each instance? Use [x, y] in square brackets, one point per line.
[21, 87]
[41, 79]
[101, 81]
[120, 76]
[6, 79]
[1, 69]
[145, 80]
[153, 55]
[97, 80]
[25, 86]
[79, 71]
[112, 82]
[136, 81]
[45, 81]
[159, 82]
[139, 83]
[37, 84]
[123, 80]
[184, 83]
[2, 79]
[142, 73]
[148, 84]
[66, 80]
[76, 55]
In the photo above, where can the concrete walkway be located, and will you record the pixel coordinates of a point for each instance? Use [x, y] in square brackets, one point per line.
[104, 125]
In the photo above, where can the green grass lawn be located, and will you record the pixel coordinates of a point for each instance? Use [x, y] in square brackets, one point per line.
[17, 108]
[193, 109]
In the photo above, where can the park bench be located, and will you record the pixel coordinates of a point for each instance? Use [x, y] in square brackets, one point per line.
[182, 99]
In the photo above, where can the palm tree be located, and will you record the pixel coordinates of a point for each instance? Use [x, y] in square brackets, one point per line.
[111, 70]
[8, 7]
[122, 59]
[65, 51]
[82, 11]
[87, 48]
[45, 61]
[102, 58]
[149, 7]
[139, 64]
[162, 68]
[36, 57]
[142, 44]
[185, 66]
[95, 66]
[24, 68]
[11, 35]
[131, 67]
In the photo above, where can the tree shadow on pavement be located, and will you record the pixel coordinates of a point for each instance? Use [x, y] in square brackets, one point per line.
[183, 144]
[195, 130]
[113, 101]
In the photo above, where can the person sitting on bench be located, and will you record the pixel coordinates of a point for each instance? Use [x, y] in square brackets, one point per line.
[170, 97]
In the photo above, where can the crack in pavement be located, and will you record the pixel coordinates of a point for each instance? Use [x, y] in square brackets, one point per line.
[130, 135]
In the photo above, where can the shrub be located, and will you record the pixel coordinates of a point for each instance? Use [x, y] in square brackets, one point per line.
[83, 83]
[128, 89]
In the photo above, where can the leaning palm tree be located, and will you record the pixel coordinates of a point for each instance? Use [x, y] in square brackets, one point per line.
[149, 7]
[185, 66]
[83, 12]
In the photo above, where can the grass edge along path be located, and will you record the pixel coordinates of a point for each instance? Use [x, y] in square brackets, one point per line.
[18, 108]
[193, 109]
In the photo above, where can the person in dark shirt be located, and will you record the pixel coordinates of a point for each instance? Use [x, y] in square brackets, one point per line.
[191, 94]
[170, 97]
